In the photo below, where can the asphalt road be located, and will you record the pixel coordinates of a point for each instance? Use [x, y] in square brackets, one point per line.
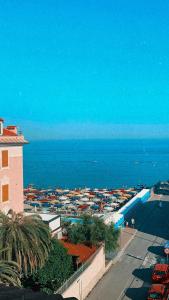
[130, 278]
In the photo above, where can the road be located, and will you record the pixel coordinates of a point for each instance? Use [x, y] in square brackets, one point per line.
[131, 276]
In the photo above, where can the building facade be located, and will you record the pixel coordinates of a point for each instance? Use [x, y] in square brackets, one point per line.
[11, 168]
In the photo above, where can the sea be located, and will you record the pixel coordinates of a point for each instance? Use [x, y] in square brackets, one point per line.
[96, 163]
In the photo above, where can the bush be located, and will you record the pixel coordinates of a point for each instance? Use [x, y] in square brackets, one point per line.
[57, 269]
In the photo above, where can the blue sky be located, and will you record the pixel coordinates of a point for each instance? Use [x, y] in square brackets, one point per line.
[75, 69]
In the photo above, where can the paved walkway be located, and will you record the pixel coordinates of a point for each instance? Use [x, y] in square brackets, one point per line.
[130, 277]
[126, 236]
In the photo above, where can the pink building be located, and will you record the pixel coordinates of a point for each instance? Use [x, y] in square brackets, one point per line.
[11, 168]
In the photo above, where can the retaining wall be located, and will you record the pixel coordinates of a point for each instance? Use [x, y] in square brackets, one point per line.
[86, 281]
[143, 197]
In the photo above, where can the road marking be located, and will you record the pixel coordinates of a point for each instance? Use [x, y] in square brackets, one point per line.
[134, 256]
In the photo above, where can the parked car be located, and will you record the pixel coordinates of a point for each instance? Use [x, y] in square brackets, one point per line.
[161, 273]
[158, 292]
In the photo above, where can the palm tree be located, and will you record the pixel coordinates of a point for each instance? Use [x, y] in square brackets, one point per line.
[9, 272]
[27, 239]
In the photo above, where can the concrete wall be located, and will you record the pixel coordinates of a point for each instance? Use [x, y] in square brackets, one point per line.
[143, 196]
[12, 175]
[83, 285]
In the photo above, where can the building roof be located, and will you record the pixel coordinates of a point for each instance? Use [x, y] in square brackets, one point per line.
[12, 139]
[79, 250]
[9, 136]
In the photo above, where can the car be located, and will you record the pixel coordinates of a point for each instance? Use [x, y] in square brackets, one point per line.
[161, 273]
[158, 292]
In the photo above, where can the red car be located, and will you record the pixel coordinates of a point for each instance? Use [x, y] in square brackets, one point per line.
[158, 292]
[161, 273]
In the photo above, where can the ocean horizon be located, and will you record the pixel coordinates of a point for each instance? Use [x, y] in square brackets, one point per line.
[96, 163]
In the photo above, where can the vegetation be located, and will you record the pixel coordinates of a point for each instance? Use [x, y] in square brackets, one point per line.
[93, 231]
[9, 272]
[43, 262]
[27, 240]
[56, 270]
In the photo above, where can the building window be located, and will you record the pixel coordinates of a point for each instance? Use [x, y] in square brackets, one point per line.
[5, 192]
[5, 159]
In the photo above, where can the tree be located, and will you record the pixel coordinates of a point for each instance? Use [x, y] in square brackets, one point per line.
[9, 272]
[56, 270]
[93, 231]
[27, 239]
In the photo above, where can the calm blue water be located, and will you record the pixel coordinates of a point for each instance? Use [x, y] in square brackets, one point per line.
[96, 163]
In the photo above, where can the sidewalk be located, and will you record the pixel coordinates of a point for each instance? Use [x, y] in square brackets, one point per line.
[126, 236]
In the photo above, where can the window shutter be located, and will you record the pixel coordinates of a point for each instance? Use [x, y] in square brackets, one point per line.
[4, 158]
[5, 192]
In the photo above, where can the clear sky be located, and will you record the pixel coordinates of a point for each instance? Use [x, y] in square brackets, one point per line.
[92, 68]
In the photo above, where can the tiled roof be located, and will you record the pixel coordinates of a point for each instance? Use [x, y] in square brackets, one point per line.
[12, 139]
[81, 251]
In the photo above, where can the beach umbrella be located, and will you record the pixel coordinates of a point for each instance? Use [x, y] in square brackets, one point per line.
[92, 196]
[46, 204]
[58, 205]
[109, 208]
[94, 206]
[90, 202]
[63, 198]
[96, 199]
[106, 195]
[79, 195]
[86, 194]
[85, 199]
[79, 202]
[113, 198]
[115, 204]
[66, 202]
[71, 206]
[35, 204]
